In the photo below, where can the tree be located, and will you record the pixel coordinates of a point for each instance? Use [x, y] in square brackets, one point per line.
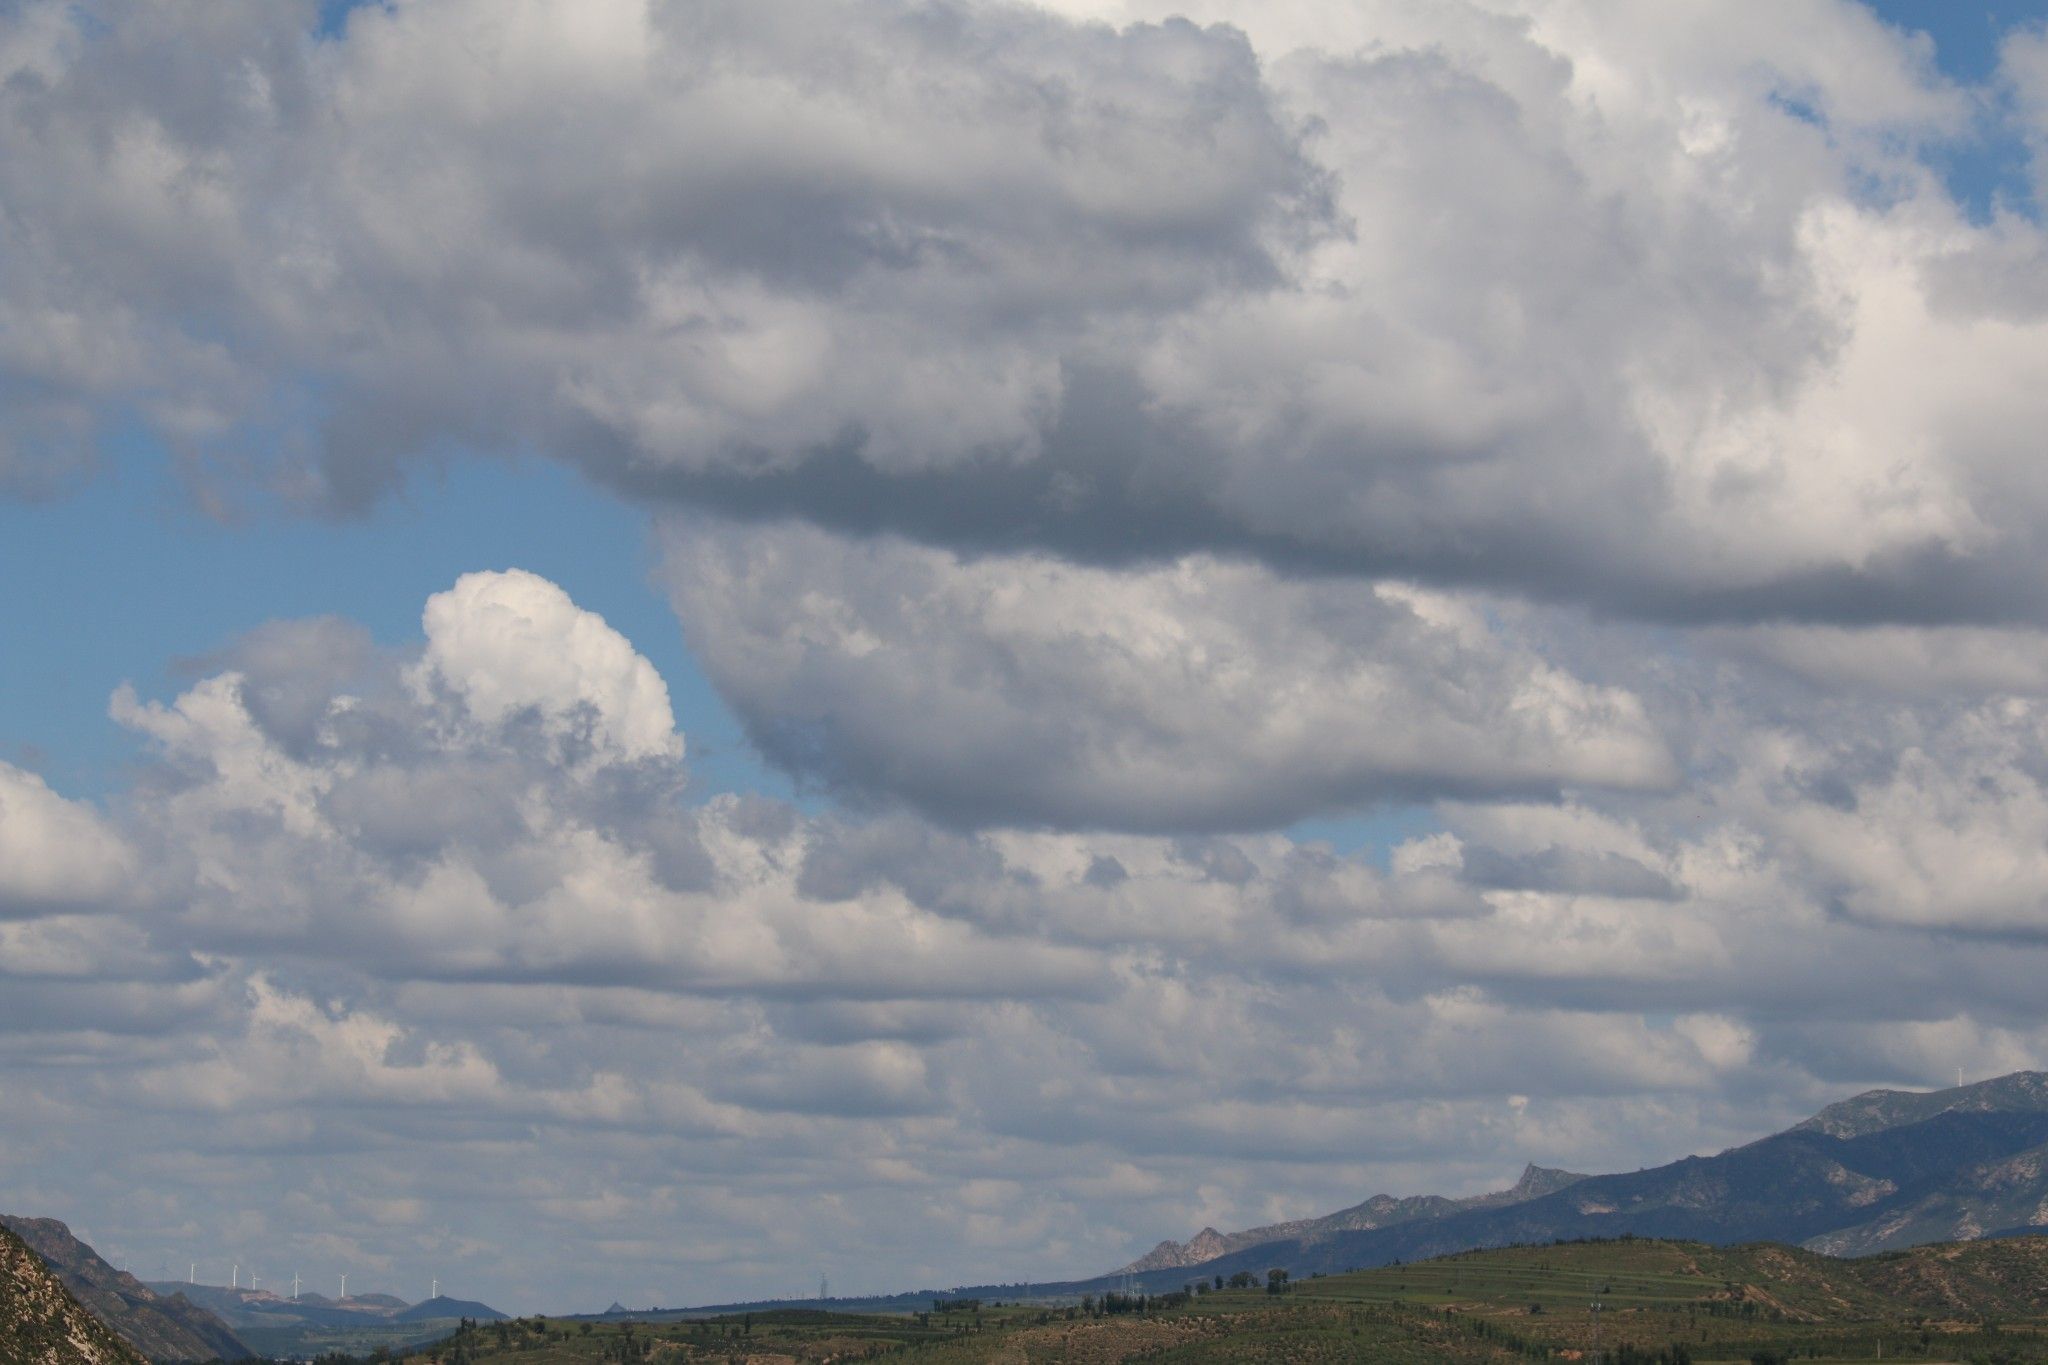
[1276, 1281]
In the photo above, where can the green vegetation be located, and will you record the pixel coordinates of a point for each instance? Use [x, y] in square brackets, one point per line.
[341, 1341]
[1659, 1303]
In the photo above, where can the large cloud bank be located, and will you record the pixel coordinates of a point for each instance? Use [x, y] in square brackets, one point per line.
[1661, 311]
[1085, 442]
[358, 903]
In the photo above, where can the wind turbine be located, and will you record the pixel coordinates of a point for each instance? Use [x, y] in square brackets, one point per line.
[295, 1285]
[192, 1273]
[344, 1286]
[235, 1281]
[434, 1289]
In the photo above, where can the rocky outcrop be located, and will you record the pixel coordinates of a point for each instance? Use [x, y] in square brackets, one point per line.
[163, 1328]
[42, 1324]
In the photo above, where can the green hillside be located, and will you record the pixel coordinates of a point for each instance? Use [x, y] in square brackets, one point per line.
[1658, 1300]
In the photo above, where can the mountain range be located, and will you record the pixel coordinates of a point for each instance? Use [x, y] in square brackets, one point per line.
[312, 1324]
[262, 1309]
[1883, 1170]
[161, 1326]
[41, 1323]
[1878, 1172]
[1382, 1210]
[168, 1322]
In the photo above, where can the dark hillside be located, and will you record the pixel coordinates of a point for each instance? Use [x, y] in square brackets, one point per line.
[162, 1328]
[41, 1323]
[439, 1309]
[1957, 1174]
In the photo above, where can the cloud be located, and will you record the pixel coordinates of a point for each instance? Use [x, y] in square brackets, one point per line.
[55, 854]
[782, 210]
[504, 807]
[458, 898]
[1199, 695]
[512, 642]
[1941, 827]
[1902, 661]
[294, 1053]
[1087, 443]
[1658, 317]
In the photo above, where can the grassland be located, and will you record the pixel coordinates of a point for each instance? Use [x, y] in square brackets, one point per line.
[1668, 1301]
[353, 1339]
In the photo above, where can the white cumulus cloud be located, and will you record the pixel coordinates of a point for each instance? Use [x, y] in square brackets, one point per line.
[512, 642]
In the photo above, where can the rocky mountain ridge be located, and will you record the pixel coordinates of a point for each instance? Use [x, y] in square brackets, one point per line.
[1874, 1111]
[1382, 1210]
[163, 1327]
[41, 1323]
[1881, 1171]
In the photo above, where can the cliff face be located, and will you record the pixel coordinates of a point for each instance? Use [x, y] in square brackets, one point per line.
[161, 1327]
[42, 1324]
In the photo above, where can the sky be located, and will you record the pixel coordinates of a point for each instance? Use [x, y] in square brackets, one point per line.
[650, 651]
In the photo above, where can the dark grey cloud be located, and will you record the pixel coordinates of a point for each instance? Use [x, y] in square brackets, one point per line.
[1560, 869]
[1364, 295]
[1200, 695]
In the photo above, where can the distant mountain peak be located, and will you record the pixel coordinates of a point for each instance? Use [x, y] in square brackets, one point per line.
[1381, 1210]
[1537, 1181]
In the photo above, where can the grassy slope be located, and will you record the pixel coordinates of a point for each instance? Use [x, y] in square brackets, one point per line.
[299, 1340]
[1985, 1300]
